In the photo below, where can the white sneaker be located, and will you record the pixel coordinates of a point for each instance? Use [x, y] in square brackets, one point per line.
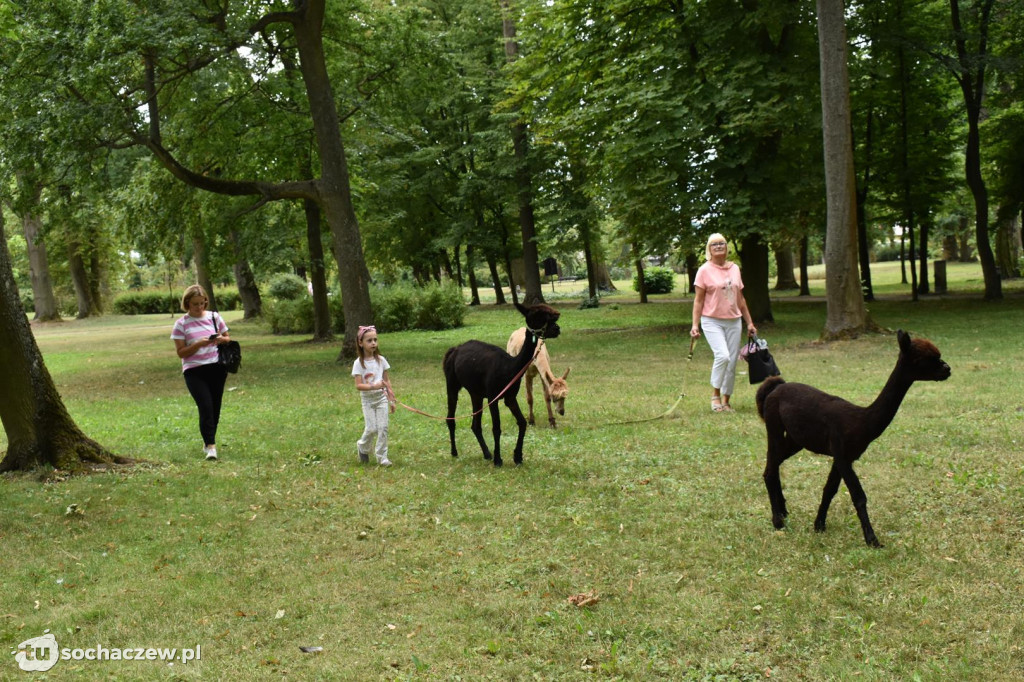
[211, 454]
[385, 462]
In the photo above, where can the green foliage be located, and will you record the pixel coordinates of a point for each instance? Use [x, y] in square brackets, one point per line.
[290, 316]
[396, 308]
[285, 286]
[657, 280]
[146, 303]
[439, 306]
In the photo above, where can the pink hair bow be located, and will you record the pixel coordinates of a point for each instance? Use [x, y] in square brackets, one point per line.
[363, 330]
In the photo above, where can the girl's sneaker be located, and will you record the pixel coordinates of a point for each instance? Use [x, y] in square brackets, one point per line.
[211, 454]
[385, 462]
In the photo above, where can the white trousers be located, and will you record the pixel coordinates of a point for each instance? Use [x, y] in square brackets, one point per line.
[724, 337]
[375, 412]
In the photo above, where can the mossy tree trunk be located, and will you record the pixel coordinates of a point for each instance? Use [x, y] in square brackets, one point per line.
[39, 429]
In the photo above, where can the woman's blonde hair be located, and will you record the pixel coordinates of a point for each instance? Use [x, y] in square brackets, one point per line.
[190, 293]
[716, 237]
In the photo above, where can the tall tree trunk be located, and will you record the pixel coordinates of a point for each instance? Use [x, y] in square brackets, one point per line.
[971, 77]
[39, 430]
[805, 287]
[39, 269]
[588, 259]
[317, 272]
[80, 279]
[785, 279]
[524, 180]
[1008, 243]
[692, 265]
[922, 281]
[845, 311]
[863, 250]
[499, 293]
[335, 192]
[474, 287]
[641, 280]
[248, 292]
[202, 271]
[754, 255]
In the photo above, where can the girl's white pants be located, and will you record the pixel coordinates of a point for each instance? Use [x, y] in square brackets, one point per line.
[724, 337]
[375, 413]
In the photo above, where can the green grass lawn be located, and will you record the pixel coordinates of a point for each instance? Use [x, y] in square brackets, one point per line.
[442, 569]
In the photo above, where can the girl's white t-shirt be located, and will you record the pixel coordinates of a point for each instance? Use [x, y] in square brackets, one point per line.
[372, 373]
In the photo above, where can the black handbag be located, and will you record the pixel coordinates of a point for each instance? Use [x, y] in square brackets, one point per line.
[229, 356]
[760, 363]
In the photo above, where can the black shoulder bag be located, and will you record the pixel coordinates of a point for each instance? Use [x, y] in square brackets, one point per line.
[229, 354]
[760, 363]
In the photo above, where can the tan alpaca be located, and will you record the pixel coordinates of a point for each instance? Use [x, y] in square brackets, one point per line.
[555, 388]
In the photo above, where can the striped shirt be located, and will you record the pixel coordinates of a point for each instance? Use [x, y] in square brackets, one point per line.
[191, 329]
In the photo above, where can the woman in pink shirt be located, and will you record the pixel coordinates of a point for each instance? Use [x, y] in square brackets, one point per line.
[720, 309]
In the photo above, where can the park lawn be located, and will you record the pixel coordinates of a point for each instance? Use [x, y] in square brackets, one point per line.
[442, 569]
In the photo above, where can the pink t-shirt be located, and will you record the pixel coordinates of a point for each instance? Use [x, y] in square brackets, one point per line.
[720, 284]
[191, 329]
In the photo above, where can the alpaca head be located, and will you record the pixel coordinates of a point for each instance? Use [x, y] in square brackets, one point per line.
[921, 359]
[559, 391]
[541, 319]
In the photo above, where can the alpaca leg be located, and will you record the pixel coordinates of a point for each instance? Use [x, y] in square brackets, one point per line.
[860, 503]
[835, 475]
[478, 429]
[547, 402]
[513, 406]
[529, 398]
[773, 483]
[778, 452]
[496, 430]
[453, 401]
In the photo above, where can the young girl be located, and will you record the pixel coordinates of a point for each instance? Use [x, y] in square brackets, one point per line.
[371, 376]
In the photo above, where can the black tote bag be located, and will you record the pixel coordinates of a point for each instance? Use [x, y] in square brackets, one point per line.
[760, 363]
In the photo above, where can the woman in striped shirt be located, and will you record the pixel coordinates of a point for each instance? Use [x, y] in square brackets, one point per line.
[196, 336]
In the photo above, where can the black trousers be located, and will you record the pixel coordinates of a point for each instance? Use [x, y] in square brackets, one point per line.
[206, 384]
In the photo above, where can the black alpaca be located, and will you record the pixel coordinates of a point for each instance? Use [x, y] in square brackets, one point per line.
[485, 370]
[798, 416]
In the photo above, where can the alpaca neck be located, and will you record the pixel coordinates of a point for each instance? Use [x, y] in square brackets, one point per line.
[530, 343]
[881, 412]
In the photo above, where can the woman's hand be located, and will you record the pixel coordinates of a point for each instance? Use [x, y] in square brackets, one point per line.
[695, 331]
[751, 329]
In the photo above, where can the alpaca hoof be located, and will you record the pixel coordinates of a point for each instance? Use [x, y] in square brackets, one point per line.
[779, 522]
[487, 455]
[820, 528]
[551, 423]
[873, 542]
[498, 462]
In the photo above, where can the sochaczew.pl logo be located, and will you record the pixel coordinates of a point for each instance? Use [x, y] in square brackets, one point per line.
[39, 654]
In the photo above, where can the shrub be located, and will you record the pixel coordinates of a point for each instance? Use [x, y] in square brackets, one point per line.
[229, 300]
[658, 280]
[285, 286]
[440, 307]
[394, 308]
[147, 303]
[290, 316]
[589, 302]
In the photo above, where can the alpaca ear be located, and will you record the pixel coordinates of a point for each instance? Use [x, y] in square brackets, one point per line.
[566, 373]
[904, 339]
[521, 308]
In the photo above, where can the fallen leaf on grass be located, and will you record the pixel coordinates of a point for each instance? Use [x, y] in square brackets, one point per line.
[584, 599]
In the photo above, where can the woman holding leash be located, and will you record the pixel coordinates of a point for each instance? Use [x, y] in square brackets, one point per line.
[720, 309]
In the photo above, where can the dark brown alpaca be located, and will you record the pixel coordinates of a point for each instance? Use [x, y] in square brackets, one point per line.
[798, 416]
[484, 370]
